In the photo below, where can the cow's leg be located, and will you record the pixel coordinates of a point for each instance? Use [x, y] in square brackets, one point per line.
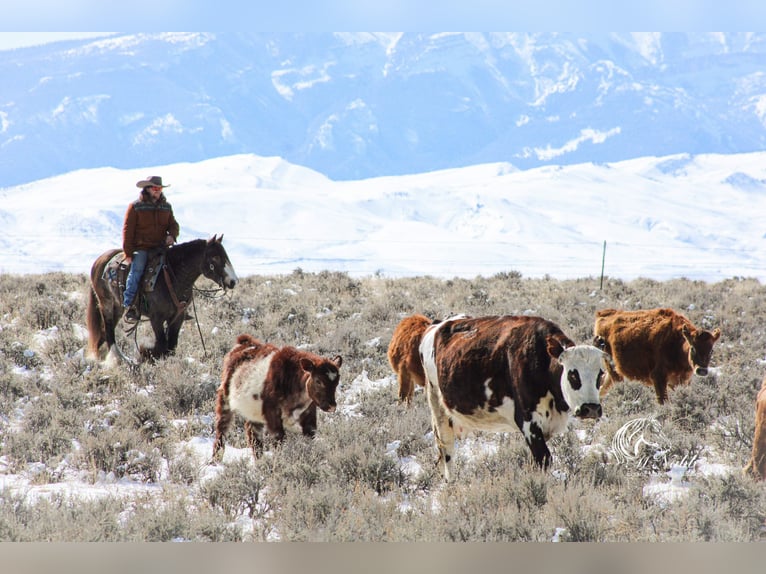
[533, 434]
[254, 434]
[660, 383]
[405, 385]
[223, 416]
[308, 421]
[273, 415]
[756, 466]
[444, 433]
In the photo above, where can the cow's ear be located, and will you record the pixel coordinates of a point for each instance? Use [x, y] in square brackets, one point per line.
[307, 365]
[338, 360]
[716, 334]
[555, 346]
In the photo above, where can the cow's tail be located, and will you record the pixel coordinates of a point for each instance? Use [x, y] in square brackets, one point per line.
[247, 339]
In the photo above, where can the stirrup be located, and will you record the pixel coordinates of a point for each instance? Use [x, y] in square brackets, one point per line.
[132, 315]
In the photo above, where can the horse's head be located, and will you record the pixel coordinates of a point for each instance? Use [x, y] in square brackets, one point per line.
[216, 265]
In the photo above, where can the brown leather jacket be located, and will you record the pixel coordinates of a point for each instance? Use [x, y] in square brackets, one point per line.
[147, 224]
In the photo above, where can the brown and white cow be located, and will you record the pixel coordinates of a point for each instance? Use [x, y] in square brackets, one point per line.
[658, 347]
[404, 354]
[491, 373]
[756, 466]
[279, 388]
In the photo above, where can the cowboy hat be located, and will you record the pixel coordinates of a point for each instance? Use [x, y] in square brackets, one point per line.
[155, 180]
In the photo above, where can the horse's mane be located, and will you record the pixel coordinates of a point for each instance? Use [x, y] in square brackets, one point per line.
[182, 250]
[194, 243]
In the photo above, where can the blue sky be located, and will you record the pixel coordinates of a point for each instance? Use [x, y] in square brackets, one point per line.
[9, 40]
[400, 15]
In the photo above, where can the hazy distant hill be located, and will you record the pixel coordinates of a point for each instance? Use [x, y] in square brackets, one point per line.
[360, 105]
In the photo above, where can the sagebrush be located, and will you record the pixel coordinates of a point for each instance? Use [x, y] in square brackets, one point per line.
[61, 416]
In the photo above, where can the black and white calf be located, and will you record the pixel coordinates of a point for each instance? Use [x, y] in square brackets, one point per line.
[491, 373]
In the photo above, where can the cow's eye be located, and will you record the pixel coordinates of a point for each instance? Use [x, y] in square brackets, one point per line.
[574, 379]
[599, 379]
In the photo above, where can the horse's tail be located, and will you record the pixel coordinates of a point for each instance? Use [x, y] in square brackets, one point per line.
[95, 323]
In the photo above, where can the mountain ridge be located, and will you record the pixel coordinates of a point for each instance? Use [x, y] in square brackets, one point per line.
[354, 106]
[656, 217]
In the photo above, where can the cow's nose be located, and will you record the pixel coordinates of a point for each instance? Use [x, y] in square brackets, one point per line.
[701, 371]
[331, 408]
[588, 411]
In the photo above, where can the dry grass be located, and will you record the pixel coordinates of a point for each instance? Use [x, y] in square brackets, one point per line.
[60, 415]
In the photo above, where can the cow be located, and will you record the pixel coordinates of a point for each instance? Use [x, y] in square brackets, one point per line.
[404, 354]
[756, 466]
[491, 373]
[272, 387]
[657, 347]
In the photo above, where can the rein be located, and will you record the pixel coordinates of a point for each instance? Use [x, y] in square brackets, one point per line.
[211, 293]
[182, 305]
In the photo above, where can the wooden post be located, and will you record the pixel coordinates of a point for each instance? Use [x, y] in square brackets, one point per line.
[603, 258]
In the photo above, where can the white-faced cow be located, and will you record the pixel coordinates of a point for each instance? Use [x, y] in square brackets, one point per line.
[756, 466]
[404, 354]
[657, 347]
[279, 388]
[494, 373]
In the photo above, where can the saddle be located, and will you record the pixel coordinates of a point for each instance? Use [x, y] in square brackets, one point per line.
[116, 272]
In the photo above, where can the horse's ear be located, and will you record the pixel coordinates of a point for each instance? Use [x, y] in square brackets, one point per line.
[220, 239]
[215, 239]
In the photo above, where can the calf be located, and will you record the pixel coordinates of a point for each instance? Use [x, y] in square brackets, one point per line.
[404, 354]
[756, 466]
[490, 373]
[658, 347]
[274, 387]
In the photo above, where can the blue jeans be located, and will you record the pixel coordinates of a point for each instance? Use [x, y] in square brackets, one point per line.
[134, 277]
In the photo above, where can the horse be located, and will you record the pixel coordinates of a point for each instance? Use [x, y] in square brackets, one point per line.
[164, 305]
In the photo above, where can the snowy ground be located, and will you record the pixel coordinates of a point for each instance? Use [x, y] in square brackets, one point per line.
[663, 487]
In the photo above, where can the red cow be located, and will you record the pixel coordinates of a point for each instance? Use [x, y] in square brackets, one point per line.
[491, 373]
[274, 387]
[404, 354]
[658, 347]
[756, 466]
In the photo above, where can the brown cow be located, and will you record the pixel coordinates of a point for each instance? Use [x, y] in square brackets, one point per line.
[499, 372]
[404, 354]
[756, 466]
[276, 387]
[658, 347]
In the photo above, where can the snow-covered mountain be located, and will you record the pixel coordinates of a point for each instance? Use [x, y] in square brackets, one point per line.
[355, 106]
[675, 216]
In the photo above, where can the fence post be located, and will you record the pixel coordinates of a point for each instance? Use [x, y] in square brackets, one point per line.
[603, 258]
